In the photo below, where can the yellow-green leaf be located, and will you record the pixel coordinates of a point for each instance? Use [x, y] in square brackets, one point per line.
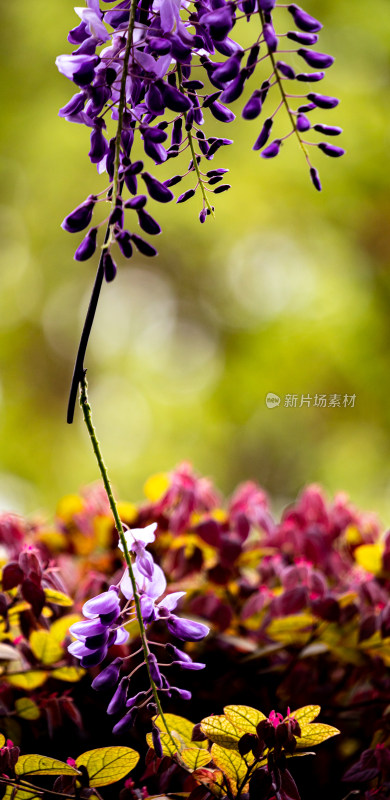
[2, 740]
[169, 747]
[293, 629]
[181, 730]
[68, 674]
[57, 598]
[230, 763]
[221, 731]
[28, 680]
[60, 627]
[43, 765]
[107, 765]
[26, 708]
[45, 647]
[244, 718]
[306, 714]
[194, 757]
[315, 733]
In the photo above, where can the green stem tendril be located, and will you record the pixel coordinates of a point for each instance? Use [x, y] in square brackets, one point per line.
[87, 414]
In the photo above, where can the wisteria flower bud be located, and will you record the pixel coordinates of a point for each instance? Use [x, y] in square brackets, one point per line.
[272, 150]
[202, 215]
[87, 247]
[219, 22]
[187, 630]
[329, 130]
[109, 266]
[157, 742]
[285, 69]
[223, 188]
[78, 219]
[156, 189]
[144, 247]
[184, 694]
[118, 700]
[99, 145]
[331, 149]
[315, 178]
[126, 723]
[173, 99]
[123, 238]
[108, 677]
[303, 123]
[302, 38]
[136, 202]
[321, 60]
[270, 37]
[221, 113]
[235, 88]
[310, 77]
[135, 701]
[151, 226]
[264, 135]
[323, 101]
[230, 69]
[304, 20]
[185, 196]
[154, 670]
[267, 5]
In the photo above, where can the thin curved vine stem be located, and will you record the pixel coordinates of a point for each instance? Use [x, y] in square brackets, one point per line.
[87, 414]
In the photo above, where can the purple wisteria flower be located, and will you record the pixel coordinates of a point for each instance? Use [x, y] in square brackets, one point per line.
[94, 636]
[142, 74]
[106, 618]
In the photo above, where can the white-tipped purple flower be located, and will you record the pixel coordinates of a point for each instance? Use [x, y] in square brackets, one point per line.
[108, 677]
[303, 20]
[78, 68]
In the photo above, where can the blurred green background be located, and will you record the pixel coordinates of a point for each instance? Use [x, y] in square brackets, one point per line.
[286, 291]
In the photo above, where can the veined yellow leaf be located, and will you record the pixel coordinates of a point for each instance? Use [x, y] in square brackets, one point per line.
[221, 731]
[45, 647]
[181, 730]
[26, 708]
[107, 765]
[244, 718]
[169, 747]
[230, 763]
[34, 764]
[195, 757]
[306, 714]
[315, 733]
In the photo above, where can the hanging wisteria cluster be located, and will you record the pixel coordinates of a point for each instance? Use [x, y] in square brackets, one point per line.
[106, 616]
[156, 68]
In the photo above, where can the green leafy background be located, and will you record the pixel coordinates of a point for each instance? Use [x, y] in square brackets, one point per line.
[286, 291]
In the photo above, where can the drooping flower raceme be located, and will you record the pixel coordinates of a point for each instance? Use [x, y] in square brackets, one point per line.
[154, 72]
[107, 614]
